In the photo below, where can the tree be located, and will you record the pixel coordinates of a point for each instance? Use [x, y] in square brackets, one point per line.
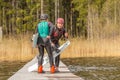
[83, 18]
[42, 7]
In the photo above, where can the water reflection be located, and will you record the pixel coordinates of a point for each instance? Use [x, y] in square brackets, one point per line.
[87, 68]
[99, 68]
[7, 68]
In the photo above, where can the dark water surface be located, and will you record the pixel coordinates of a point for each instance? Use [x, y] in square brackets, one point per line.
[87, 68]
[107, 68]
[7, 69]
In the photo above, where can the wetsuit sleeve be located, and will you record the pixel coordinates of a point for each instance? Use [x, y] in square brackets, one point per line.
[65, 32]
[51, 26]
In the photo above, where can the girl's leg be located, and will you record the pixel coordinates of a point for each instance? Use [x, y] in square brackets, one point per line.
[41, 54]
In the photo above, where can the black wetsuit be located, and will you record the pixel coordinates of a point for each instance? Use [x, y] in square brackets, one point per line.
[45, 43]
[56, 35]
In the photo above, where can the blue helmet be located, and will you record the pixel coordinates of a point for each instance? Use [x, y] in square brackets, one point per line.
[44, 16]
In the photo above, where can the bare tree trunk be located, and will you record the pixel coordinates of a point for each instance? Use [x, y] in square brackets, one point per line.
[13, 16]
[118, 12]
[42, 7]
[115, 12]
[118, 15]
[4, 22]
[38, 14]
[32, 2]
[71, 21]
[66, 20]
[9, 24]
[16, 15]
[107, 15]
[1, 33]
[56, 10]
[58, 3]
[88, 22]
[1, 17]
[89, 25]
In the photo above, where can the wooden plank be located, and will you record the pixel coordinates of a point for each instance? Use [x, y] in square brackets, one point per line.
[64, 73]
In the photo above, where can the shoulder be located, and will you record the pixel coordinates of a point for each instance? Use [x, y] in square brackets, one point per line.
[63, 29]
[55, 28]
[42, 22]
[50, 24]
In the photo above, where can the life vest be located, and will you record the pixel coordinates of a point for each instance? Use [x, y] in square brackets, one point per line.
[43, 29]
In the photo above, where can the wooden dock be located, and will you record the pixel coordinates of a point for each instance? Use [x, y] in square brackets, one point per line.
[64, 73]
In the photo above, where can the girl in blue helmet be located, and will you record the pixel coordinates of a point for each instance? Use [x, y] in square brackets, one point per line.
[44, 30]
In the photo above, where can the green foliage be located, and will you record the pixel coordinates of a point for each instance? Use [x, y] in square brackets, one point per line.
[23, 15]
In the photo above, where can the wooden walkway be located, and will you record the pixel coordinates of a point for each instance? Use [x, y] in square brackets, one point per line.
[64, 73]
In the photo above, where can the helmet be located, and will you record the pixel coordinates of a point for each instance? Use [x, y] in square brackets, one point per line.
[44, 16]
[60, 20]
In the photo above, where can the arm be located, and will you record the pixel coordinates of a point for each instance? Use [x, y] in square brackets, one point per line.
[65, 34]
[51, 26]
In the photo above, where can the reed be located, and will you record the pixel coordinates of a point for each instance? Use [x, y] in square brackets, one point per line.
[21, 48]
[94, 48]
[16, 48]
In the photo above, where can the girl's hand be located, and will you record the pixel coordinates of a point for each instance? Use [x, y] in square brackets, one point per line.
[66, 35]
[48, 37]
[52, 44]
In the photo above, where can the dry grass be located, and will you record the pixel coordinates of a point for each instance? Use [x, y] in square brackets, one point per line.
[16, 49]
[21, 49]
[95, 48]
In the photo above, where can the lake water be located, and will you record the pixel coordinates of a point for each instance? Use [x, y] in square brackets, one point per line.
[106, 68]
[87, 68]
[9, 68]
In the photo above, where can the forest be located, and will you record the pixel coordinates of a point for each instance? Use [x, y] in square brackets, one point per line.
[90, 19]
